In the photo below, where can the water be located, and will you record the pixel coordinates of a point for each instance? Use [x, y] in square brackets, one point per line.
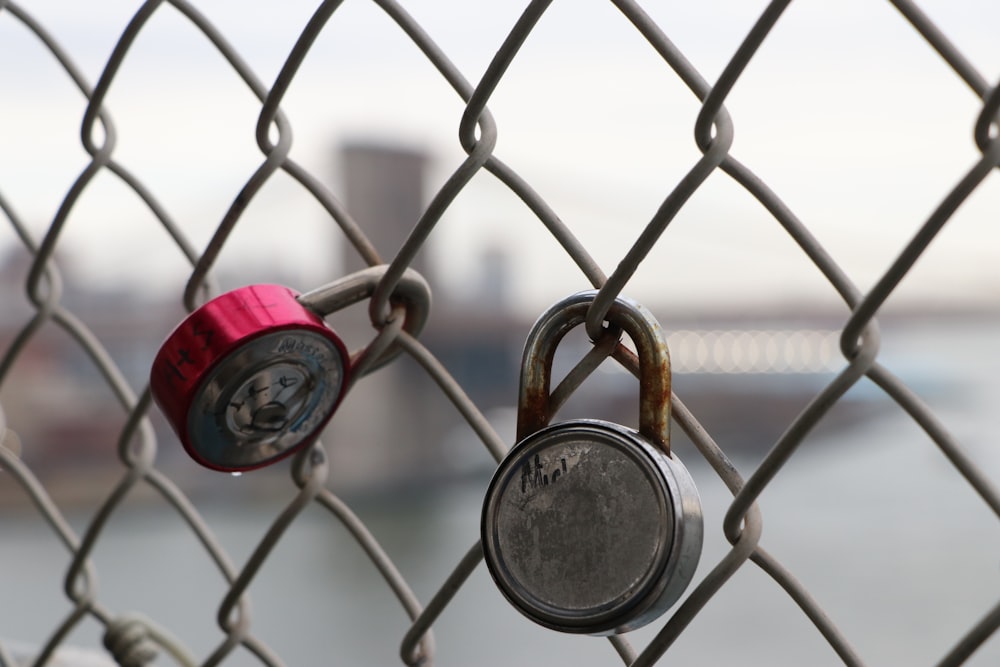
[895, 546]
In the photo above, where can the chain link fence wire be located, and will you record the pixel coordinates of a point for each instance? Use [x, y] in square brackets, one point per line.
[848, 353]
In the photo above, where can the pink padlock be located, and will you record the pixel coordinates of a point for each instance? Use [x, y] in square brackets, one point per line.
[249, 378]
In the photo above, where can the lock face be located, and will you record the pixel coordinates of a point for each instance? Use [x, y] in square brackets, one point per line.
[588, 526]
[249, 378]
[583, 528]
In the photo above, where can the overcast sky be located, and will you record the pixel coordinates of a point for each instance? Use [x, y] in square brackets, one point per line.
[846, 113]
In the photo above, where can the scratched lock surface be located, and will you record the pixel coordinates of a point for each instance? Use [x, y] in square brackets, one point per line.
[581, 522]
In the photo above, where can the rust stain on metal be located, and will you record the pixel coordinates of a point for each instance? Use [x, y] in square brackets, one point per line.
[651, 365]
[533, 411]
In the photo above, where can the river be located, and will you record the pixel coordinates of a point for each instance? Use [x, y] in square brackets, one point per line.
[895, 546]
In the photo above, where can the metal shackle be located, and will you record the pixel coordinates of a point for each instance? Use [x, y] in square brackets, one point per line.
[650, 343]
[254, 374]
[590, 527]
[412, 292]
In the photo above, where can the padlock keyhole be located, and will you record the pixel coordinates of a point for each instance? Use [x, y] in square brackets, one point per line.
[271, 417]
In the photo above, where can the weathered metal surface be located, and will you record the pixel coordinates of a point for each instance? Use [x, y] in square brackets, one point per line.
[588, 526]
[647, 336]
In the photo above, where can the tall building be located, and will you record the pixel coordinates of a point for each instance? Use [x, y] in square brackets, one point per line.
[380, 433]
[383, 188]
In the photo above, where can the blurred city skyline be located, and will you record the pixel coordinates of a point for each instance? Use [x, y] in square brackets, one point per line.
[848, 115]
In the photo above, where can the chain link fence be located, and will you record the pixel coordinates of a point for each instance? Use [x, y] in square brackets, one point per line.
[848, 354]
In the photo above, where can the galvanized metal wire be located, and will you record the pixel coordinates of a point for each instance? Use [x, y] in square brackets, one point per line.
[136, 640]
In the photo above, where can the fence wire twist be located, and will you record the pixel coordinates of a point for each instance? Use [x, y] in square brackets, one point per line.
[135, 640]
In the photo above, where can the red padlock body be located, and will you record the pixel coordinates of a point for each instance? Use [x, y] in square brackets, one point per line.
[219, 329]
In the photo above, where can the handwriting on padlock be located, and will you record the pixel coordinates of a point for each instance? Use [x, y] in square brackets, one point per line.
[533, 475]
[544, 471]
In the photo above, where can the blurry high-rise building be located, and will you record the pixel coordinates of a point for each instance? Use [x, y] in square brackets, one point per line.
[388, 425]
[383, 187]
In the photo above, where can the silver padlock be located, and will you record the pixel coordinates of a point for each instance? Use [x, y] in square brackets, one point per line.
[590, 527]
